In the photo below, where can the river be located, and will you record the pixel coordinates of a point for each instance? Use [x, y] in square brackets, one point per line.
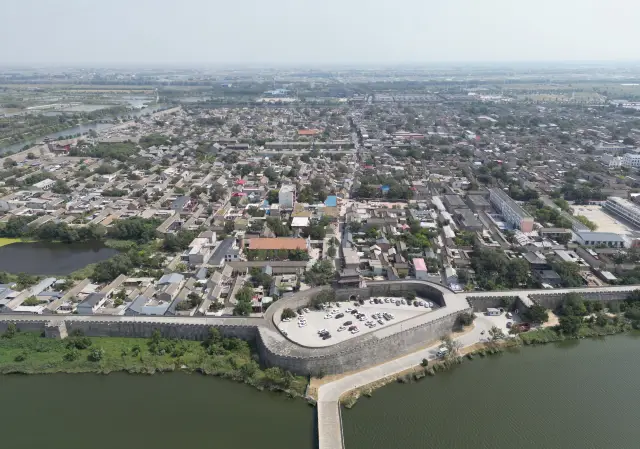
[575, 395]
[51, 258]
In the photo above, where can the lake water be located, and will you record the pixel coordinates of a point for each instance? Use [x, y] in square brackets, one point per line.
[577, 395]
[51, 258]
[574, 395]
[78, 411]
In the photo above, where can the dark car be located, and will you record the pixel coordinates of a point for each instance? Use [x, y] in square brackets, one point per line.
[361, 301]
[347, 323]
[326, 336]
[340, 315]
[354, 312]
[352, 328]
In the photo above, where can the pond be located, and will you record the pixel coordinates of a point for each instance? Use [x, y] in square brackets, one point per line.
[51, 258]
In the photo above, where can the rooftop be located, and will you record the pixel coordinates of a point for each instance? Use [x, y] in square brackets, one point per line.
[288, 243]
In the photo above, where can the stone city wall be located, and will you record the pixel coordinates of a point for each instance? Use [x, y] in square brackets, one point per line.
[351, 354]
[553, 300]
[482, 303]
[275, 349]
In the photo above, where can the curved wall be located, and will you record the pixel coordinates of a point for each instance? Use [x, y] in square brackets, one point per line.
[275, 349]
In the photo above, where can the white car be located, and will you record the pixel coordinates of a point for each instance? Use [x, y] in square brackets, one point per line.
[371, 301]
[286, 320]
[341, 328]
[386, 300]
[302, 324]
[322, 331]
[327, 317]
[306, 310]
[349, 310]
[355, 331]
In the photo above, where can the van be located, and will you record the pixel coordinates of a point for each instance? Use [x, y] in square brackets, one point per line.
[442, 351]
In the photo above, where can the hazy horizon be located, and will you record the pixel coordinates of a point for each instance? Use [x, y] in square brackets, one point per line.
[333, 32]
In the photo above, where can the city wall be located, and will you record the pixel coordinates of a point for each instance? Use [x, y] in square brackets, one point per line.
[275, 349]
[553, 300]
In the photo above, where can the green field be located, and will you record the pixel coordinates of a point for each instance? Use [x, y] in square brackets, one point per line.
[31, 353]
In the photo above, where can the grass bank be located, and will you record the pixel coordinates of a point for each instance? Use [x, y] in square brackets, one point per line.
[550, 335]
[4, 241]
[30, 353]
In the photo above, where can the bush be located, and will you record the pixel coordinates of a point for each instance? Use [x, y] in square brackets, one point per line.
[465, 319]
[424, 363]
[288, 313]
[96, 355]
[71, 355]
[79, 343]
[11, 331]
[21, 357]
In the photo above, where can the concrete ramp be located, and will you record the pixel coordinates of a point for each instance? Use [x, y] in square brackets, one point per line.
[330, 425]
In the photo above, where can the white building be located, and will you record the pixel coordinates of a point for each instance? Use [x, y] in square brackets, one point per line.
[610, 239]
[612, 147]
[287, 196]
[631, 160]
[45, 184]
[512, 213]
[624, 208]
[612, 161]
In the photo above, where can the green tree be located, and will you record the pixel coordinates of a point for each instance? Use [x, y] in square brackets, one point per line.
[573, 305]
[288, 313]
[536, 314]
[11, 331]
[244, 298]
[570, 325]
[465, 319]
[331, 251]
[321, 273]
[496, 333]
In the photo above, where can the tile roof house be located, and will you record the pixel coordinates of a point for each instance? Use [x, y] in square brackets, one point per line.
[287, 243]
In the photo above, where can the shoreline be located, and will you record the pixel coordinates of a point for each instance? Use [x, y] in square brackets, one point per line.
[29, 353]
[349, 398]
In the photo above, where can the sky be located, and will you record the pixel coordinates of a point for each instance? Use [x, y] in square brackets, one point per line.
[299, 32]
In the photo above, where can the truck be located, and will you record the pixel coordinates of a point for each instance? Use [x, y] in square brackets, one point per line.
[442, 351]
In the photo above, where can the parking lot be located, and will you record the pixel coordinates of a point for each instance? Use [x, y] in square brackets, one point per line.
[337, 316]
